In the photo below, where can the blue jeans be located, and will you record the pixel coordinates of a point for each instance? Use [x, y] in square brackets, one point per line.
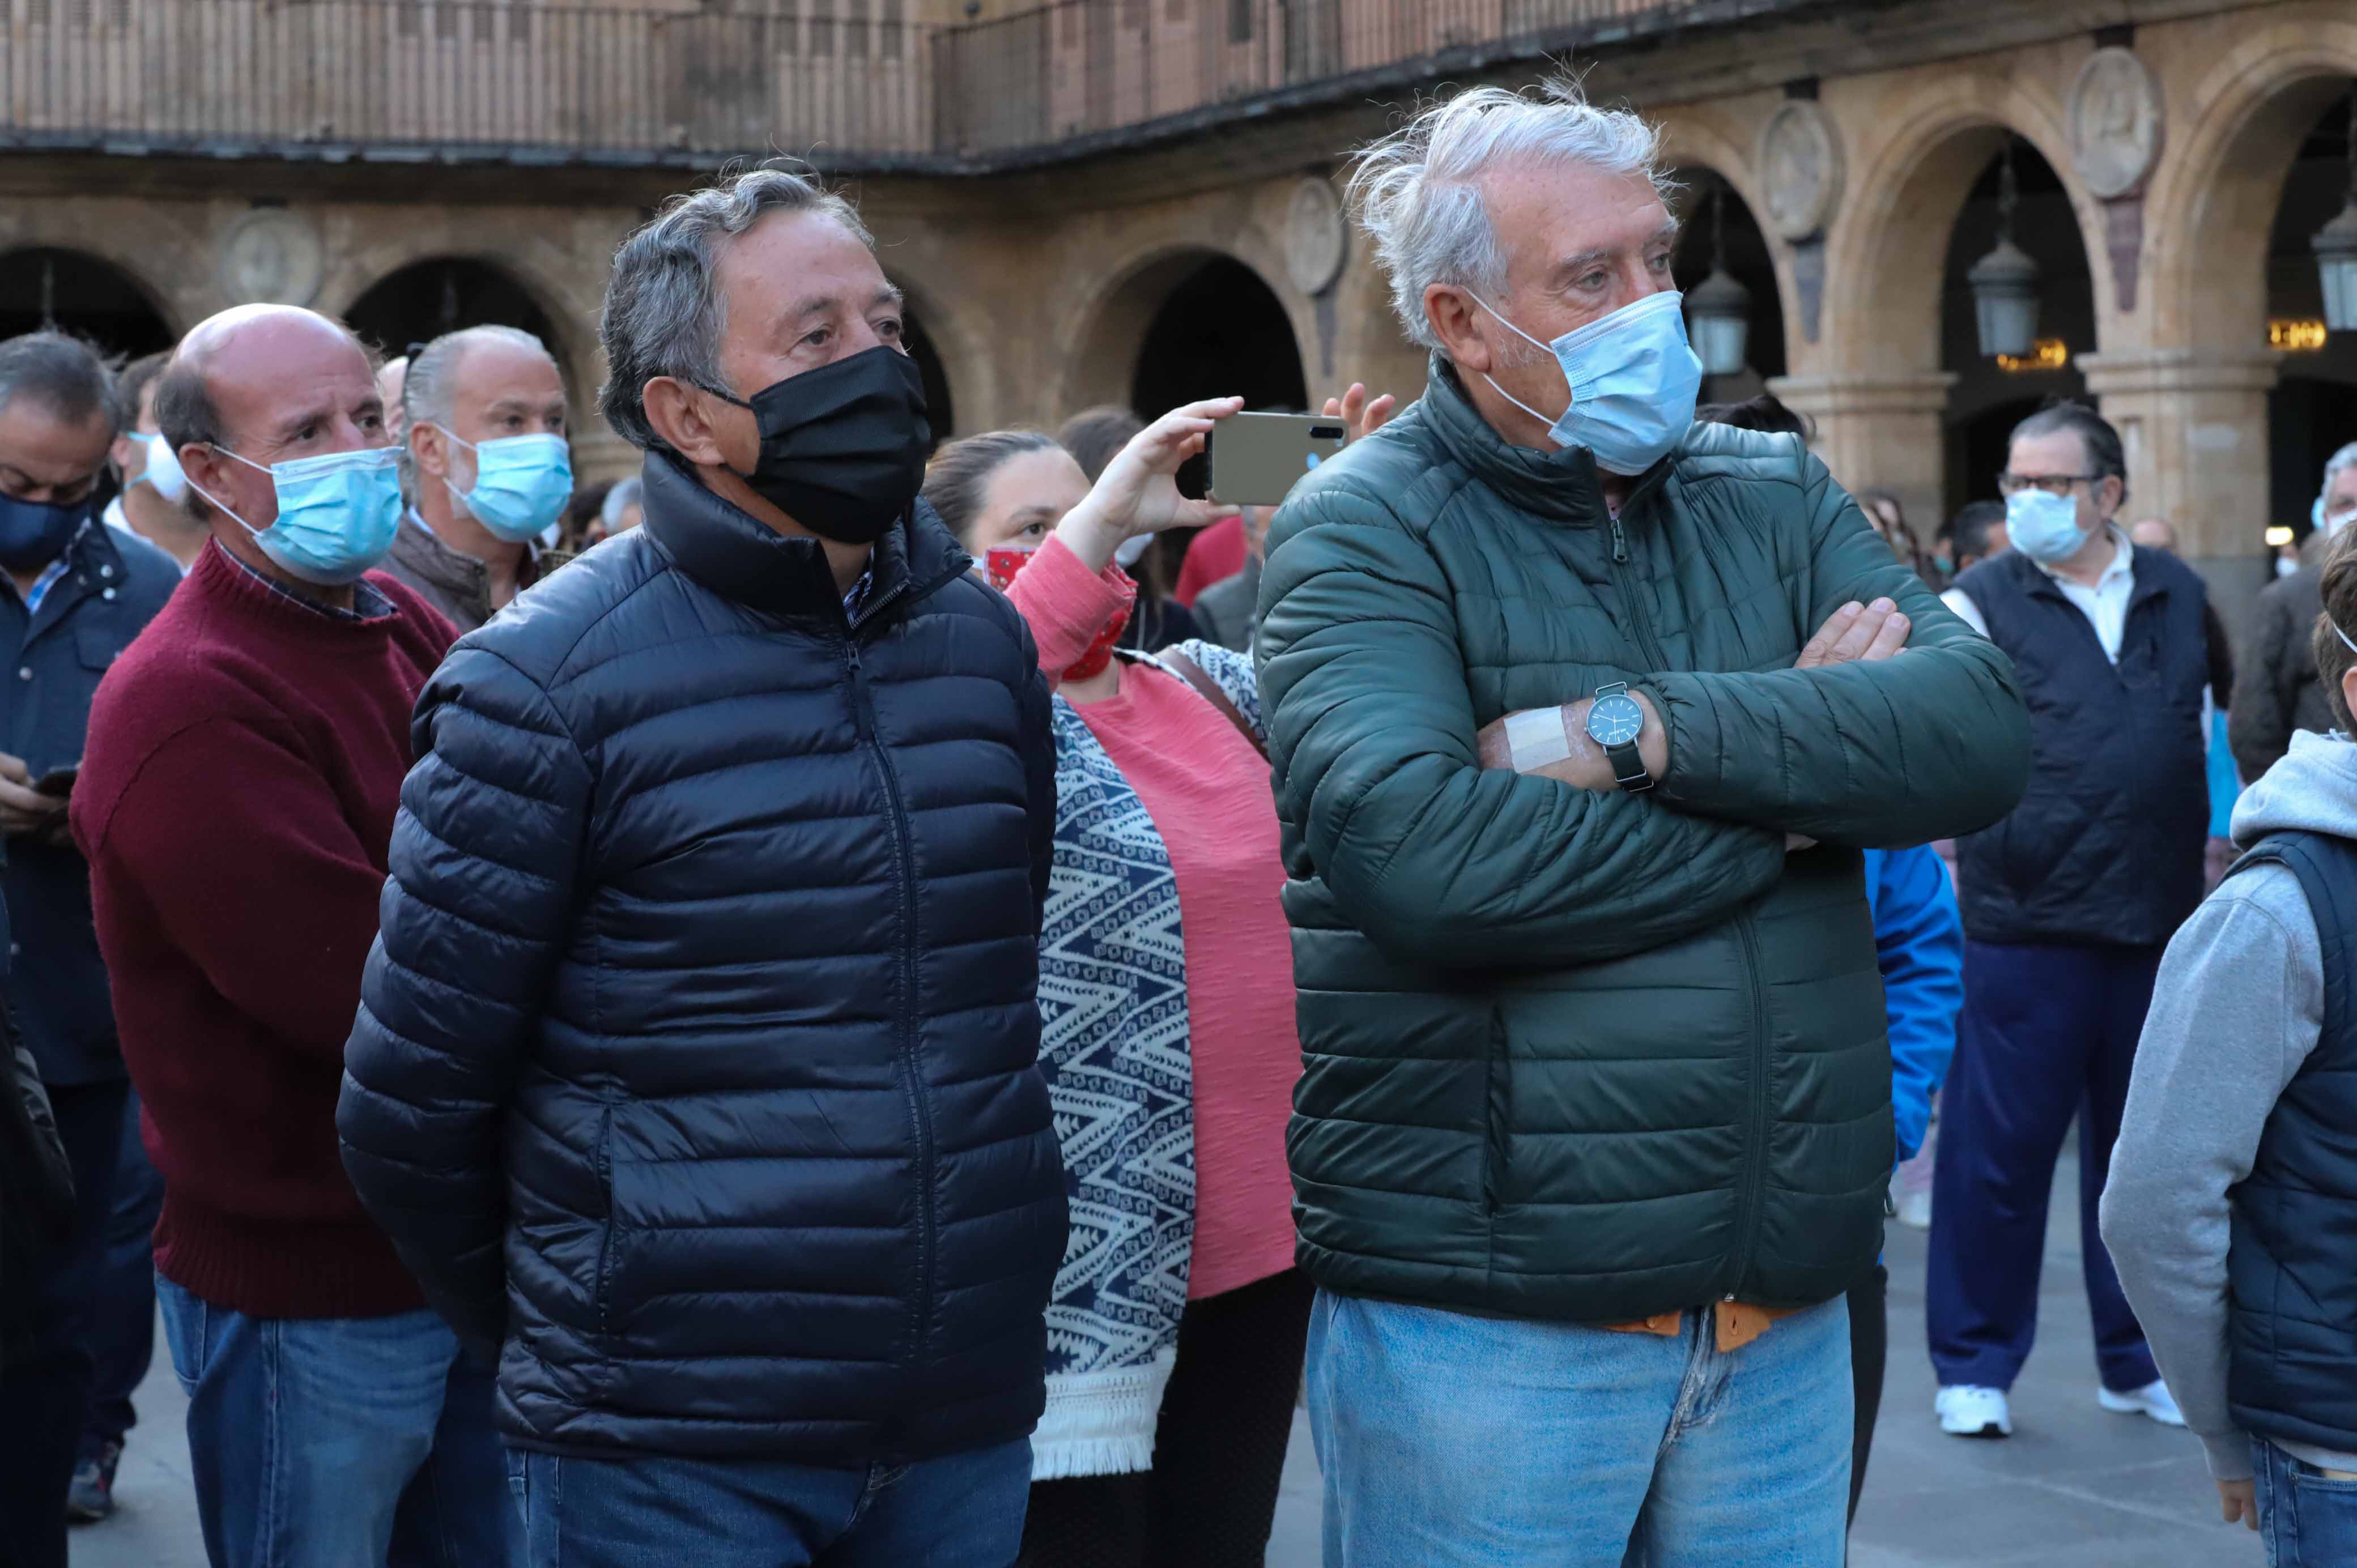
[1451, 1440]
[652, 1510]
[337, 1443]
[2310, 1520]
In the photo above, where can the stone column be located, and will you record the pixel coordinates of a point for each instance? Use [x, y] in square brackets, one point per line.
[1885, 431]
[599, 455]
[2194, 426]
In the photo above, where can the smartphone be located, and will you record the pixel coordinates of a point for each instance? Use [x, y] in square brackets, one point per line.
[1257, 459]
[58, 781]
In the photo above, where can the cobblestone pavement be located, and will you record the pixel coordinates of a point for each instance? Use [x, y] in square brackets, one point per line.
[2074, 1487]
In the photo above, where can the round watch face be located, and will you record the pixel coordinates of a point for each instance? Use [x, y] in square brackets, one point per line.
[1615, 720]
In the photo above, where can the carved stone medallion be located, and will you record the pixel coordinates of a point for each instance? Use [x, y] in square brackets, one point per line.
[1316, 239]
[2115, 120]
[270, 256]
[1800, 160]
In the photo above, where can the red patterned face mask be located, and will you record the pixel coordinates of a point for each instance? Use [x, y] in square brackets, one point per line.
[1002, 562]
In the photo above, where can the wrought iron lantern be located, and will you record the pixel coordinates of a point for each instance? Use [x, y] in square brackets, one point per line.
[2004, 281]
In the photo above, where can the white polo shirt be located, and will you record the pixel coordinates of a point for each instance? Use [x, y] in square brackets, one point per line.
[2105, 605]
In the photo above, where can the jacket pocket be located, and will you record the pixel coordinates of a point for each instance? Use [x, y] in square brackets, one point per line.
[1497, 1133]
[607, 1248]
[96, 644]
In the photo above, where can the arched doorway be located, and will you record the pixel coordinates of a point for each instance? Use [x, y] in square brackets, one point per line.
[83, 294]
[1219, 332]
[411, 308]
[940, 413]
[1716, 221]
[1992, 395]
[2312, 410]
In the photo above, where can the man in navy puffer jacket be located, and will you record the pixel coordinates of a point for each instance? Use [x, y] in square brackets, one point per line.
[696, 1057]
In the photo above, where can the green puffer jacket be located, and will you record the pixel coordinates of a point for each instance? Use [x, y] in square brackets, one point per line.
[1594, 1056]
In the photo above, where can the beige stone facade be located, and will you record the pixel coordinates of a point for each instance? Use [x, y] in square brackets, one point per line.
[1040, 279]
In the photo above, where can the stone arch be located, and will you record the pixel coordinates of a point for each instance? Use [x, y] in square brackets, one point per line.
[558, 259]
[964, 373]
[492, 289]
[1887, 253]
[2215, 200]
[1101, 360]
[1693, 139]
[106, 301]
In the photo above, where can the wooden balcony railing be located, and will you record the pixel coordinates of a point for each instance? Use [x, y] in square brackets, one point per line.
[558, 82]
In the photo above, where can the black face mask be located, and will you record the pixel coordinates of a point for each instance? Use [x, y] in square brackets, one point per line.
[843, 448]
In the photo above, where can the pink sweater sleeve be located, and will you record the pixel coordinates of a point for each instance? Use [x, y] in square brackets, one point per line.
[1065, 605]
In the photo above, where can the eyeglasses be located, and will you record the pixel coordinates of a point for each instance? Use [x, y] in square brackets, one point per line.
[2011, 485]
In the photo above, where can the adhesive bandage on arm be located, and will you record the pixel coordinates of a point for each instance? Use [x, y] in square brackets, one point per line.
[1535, 737]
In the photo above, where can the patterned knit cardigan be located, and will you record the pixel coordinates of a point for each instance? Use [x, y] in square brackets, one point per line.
[1115, 1047]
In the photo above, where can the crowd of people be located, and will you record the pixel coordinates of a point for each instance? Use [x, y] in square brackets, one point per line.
[842, 1002]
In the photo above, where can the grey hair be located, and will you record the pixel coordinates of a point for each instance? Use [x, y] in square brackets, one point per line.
[2339, 462]
[429, 388]
[64, 373]
[620, 499]
[662, 314]
[1419, 190]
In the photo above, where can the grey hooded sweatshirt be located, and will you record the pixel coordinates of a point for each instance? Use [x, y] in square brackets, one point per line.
[2238, 1006]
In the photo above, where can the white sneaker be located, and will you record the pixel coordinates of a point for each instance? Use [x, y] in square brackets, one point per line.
[1967, 1411]
[2153, 1400]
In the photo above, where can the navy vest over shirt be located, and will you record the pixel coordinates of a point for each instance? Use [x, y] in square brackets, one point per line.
[2106, 844]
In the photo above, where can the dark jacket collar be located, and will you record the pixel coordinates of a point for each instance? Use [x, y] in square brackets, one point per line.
[738, 557]
[1562, 485]
[93, 562]
[417, 549]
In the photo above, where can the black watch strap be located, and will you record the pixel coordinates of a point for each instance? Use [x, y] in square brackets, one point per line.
[1628, 768]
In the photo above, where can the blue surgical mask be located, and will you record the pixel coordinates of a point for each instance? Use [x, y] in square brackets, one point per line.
[521, 483]
[338, 513]
[1633, 379]
[163, 471]
[33, 533]
[2043, 526]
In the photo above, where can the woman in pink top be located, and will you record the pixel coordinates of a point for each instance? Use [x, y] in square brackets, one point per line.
[1176, 1331]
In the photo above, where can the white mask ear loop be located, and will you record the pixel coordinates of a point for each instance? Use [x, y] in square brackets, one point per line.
[1534, 342]
[211, 497]
[2343, 636]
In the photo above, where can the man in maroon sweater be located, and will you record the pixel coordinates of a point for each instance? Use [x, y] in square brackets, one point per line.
[236, 804]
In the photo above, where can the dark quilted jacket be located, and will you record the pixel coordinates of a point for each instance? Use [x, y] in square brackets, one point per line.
[1595, 1055]
[696, 1057]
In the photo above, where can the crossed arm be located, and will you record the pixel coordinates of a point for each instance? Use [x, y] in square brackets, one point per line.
[1410, 811]
[1854, 634]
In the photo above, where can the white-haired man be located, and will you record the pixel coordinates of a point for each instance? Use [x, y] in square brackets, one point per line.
[485, 467]
[1595, 1119]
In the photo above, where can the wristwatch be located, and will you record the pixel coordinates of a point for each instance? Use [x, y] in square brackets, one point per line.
[1614, 722]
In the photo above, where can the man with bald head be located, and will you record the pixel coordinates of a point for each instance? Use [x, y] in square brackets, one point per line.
[486, 468]
[235, 805]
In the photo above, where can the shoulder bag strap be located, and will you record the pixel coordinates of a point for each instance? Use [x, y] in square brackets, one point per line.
[1186, 669]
